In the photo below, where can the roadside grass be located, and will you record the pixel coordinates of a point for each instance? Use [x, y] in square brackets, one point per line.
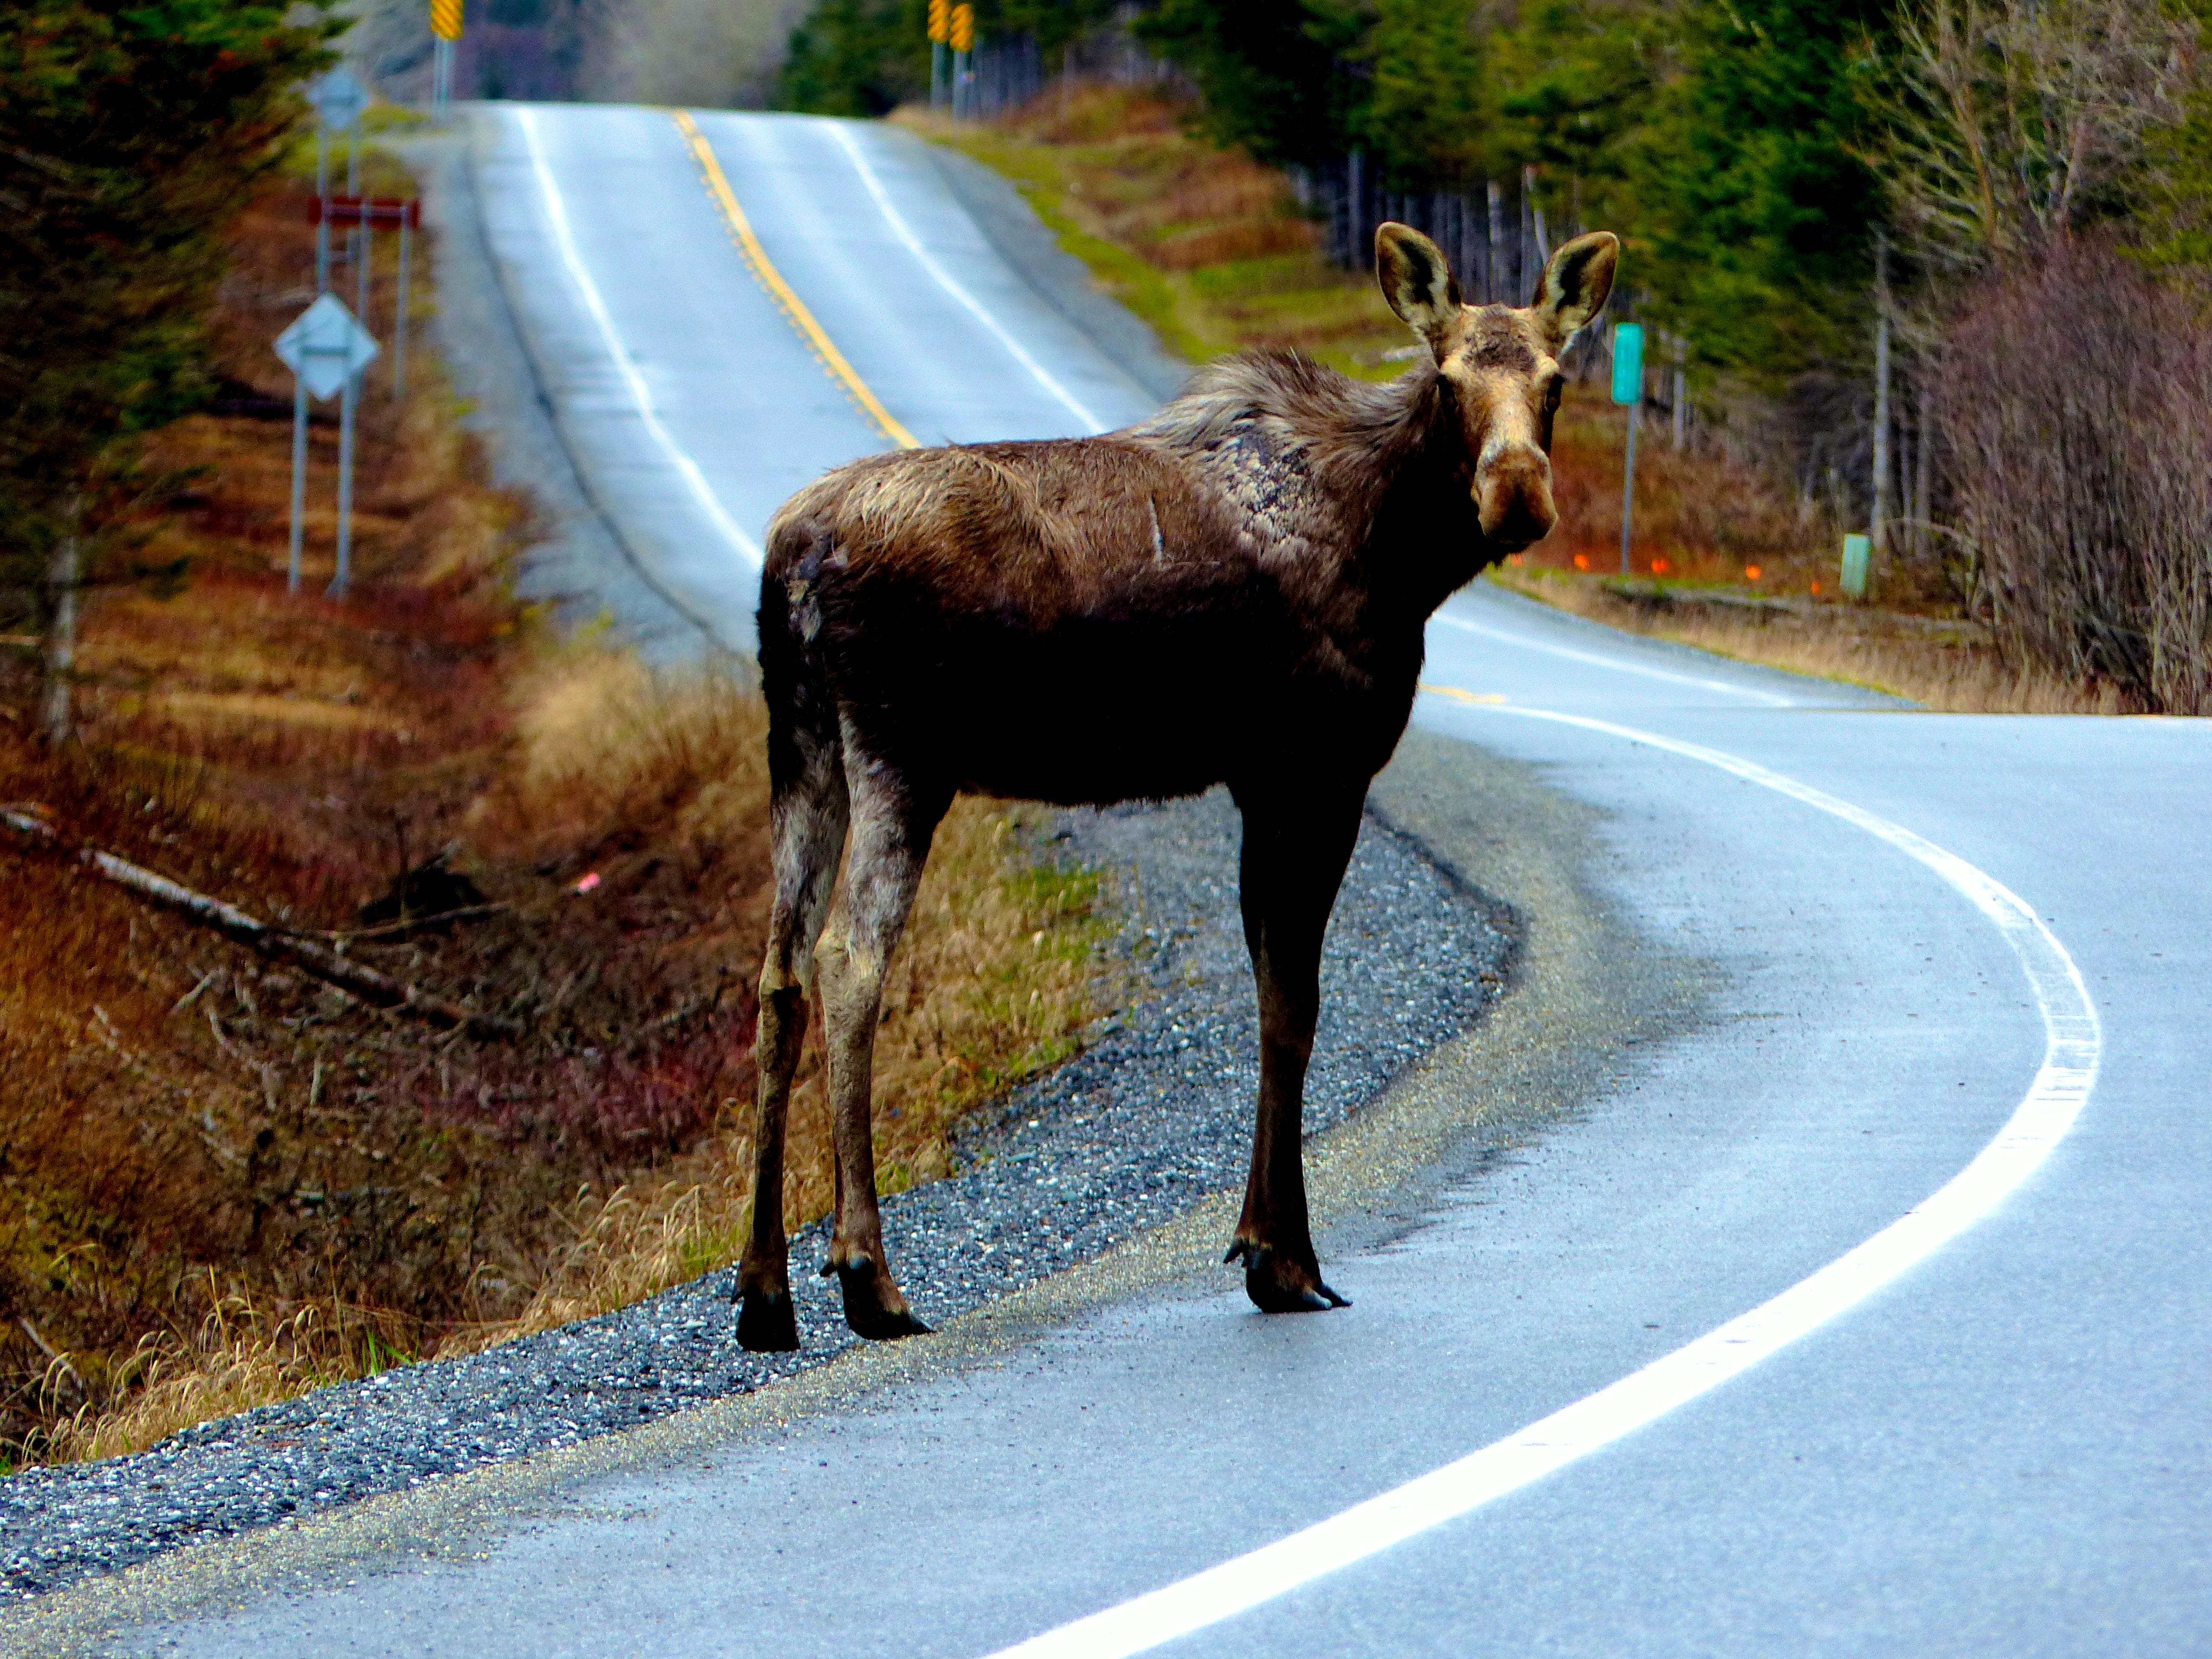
[1210, 250]
[1949, 668]
[223, 1184]
[1204, 244]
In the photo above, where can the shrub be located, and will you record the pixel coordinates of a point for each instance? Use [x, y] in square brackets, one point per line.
[2077, 407]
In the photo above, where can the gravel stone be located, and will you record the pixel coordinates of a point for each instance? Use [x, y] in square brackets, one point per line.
[1154, 1114]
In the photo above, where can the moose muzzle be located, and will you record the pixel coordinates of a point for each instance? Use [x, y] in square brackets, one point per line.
[1513, 495]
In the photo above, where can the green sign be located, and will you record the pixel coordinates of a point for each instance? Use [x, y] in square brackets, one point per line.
[1628, 362]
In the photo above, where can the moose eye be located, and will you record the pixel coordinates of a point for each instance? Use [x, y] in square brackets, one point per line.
[1556, 385]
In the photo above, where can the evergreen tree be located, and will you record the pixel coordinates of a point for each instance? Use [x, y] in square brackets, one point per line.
[130, 132]
[1275, 74]
[857, 57]
[1425, 115]
[1760, 213]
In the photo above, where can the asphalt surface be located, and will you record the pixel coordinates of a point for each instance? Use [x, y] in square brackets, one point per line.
[1748, 1034]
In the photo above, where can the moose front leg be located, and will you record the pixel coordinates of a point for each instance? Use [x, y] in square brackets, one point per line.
[890, 842]
[1294, 857]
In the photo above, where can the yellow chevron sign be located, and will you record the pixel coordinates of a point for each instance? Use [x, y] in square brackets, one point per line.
[940, 20]
[446, 19]
[963, 28]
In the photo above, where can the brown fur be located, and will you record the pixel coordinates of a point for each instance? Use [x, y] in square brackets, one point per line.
[1232, 591]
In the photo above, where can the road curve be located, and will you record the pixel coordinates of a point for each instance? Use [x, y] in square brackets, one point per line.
[1994, 1445]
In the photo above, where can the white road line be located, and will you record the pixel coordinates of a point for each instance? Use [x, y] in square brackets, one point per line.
[2073, 1047]
[1507, 637]
[618, 353]
[904, 232]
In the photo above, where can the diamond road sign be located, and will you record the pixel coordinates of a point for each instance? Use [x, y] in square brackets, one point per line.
[339, 98]
[325, 346]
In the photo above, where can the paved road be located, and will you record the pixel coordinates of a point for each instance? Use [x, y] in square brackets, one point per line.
[1983, 1433]
[691, 400]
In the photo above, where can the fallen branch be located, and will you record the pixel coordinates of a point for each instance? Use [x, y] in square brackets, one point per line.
[364, 984]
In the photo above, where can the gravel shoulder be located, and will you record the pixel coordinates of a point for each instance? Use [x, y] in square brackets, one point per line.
[1150, 1120]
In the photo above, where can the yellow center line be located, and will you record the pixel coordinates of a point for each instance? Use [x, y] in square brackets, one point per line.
[1458, 696]
[793, 307]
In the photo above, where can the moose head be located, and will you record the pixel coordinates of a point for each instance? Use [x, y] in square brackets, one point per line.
[1500, 365]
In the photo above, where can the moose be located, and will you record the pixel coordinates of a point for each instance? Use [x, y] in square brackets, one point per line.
[1232, 591]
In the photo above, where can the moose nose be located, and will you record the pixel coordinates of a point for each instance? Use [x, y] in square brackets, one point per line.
[1513, 496]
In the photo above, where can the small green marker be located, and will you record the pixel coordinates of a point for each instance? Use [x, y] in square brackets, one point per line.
[1858, 555]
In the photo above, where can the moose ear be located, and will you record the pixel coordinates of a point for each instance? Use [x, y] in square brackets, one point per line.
[1418, 281]
[1574, 286]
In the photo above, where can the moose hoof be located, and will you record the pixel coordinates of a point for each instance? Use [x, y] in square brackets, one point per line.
[767, 1322]
[1277, 1286]
[874, 1308]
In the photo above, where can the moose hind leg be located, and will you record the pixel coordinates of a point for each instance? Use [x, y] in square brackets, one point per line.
[891, 831]
[808, 824]
[1295, 854]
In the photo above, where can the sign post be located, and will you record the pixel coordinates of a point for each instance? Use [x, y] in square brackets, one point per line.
[339, 99]
[405, 213]
[446, 28]
[963, 46]
[940, 32]
[326, 349]
[1628, 388]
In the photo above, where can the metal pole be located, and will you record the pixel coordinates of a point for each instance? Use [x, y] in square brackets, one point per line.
[360, 277]
[298, 472]
[353, 188]
[399, 314]
[344, 572]
[937, 50]
[322, 223]
[1628, 485]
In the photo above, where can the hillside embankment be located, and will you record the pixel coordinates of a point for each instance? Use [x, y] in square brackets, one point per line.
[1212, 250]
[224, 1180]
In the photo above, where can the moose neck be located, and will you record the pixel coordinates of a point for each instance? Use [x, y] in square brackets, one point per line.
[1398, 464]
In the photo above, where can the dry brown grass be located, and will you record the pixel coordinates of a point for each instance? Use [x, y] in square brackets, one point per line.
[238, 1357]
[1952, 668]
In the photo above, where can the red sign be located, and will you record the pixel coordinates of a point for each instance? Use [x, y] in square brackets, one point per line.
[368, 210]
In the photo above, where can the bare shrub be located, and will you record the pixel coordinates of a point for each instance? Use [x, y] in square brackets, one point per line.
[2077, 406]
[2006, 121]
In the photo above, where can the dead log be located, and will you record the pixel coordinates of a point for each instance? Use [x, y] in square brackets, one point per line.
[362, 983]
